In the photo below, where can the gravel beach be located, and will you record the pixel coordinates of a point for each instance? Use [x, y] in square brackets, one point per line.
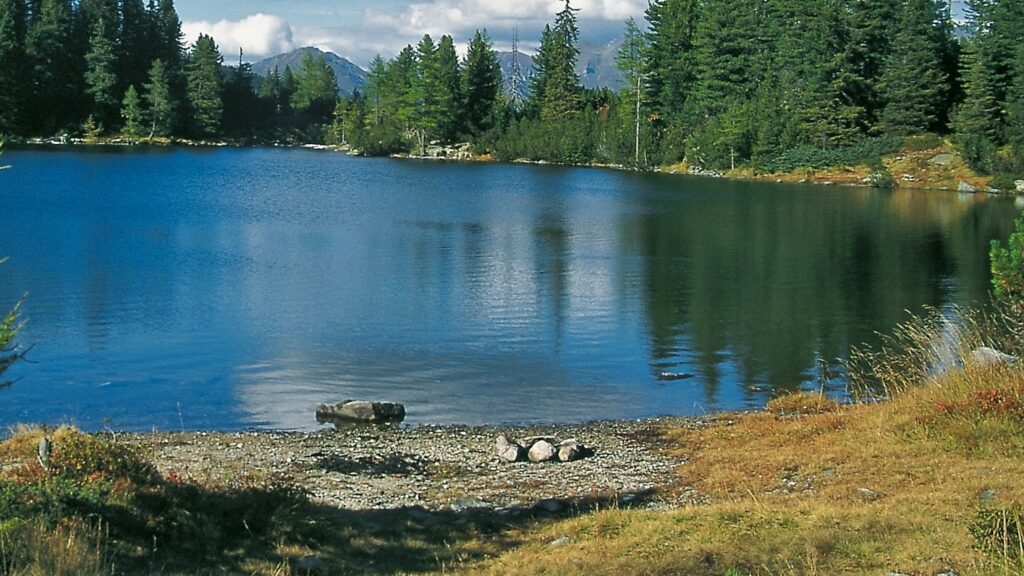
[436, 467]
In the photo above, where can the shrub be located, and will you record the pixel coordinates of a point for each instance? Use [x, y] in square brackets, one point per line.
[802, 403]
[866, 151]
[1000, 533]
[1008, 264]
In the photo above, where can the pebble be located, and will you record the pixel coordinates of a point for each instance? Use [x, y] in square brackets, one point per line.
[406, 467]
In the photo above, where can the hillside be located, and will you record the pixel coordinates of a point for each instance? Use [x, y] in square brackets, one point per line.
[350, 77]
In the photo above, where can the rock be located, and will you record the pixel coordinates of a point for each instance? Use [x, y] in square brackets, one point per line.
[559, 542]
[542, 451]
[361, 411]
[987, 496]
[507, 450]
[673, 376]
[549, 505]
[942, 160]
[418, 513]
[308, 564]
[569, 450]
[965, 187]
[468, 503]
[529, 441]
[988, 357]
[1019, 184]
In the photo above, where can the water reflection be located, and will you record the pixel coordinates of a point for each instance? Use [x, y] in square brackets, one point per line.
[240, 288]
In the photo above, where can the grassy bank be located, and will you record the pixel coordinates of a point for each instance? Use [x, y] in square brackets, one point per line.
[923, 484]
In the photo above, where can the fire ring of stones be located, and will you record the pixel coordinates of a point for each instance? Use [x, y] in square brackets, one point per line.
[539, 449]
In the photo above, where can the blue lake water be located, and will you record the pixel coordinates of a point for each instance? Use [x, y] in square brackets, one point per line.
[239, 288]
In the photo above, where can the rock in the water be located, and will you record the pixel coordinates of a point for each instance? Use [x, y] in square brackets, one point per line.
[989, 357]
[569, 450]
[507, 450]
[673, 376]
[309, 564]
[1020, 185]
[542, 451]
[965, 187]
[361, 411]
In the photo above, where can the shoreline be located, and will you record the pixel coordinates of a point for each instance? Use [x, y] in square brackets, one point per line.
[436, 467]
[912, 170]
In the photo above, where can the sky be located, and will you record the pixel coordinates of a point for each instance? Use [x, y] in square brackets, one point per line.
[360, 29]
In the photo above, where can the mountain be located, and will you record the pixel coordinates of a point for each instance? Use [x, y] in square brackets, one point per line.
[595, 67]
[350, 77]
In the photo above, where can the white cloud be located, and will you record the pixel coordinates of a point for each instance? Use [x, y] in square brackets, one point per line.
[259, 35]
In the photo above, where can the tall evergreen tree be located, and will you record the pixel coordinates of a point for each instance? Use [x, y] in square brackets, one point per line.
[241, 103]
[288, 87]
[630, 62]
[270, 91]
[101, 74]
[555, 90]
[160, 100]
[670, 61]
[450, 95]
[135, 43]
[729, 65]
[205, 87]
[317, 88]
[913, 83]
[131, 114]
[50, 50]
[481, 84]
[12, 66]
[427, 92]
[376, 86]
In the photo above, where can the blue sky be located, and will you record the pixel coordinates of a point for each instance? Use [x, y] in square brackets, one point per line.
[359, 29]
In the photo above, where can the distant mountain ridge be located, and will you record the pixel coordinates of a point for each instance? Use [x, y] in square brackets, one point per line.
[595, 66]
[350, 77]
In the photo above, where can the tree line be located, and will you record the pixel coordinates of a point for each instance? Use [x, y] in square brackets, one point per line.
[99, 67]
[771, 85]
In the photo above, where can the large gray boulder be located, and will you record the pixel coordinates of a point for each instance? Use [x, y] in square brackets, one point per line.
[1020, 185]
[361, 411]
[965, 187]
[985, 356]
[542, 451]
[507, 450]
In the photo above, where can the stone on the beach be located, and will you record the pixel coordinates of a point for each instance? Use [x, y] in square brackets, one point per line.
[987, 357]
[507, 450]
[542, 451]
[942, 159]
[965, 187]
[569, 450]
[1019, 184]
[361, 411]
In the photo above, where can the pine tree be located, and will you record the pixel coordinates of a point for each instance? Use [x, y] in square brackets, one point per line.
[481, 84]
[450, 96]
[317, 90]
[630, 62]
[427, 92]
[241, 104]
[101, 74]
[670, 61]
[288, 87]
[169, 38]
[160, 100]
[555, 86]
[270, 90]
[913, 83]
[728, 67]
[131, 114]
[205, 87]
[12, 60]
[135, 43]
[50, 51]
[873, 26]
[376, 87]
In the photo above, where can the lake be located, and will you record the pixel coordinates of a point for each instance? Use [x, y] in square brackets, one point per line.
[238, 288]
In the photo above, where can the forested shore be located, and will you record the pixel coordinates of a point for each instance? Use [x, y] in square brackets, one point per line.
[713, 85]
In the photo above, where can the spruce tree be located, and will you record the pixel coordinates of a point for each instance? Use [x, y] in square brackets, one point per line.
[131, 114]
[728, 55]
[450, 96]
[555, 90]
[12, 66]
[481, 84]
[670, 61]
[50, 51]
[101, 74]
[270, 90]
[317, 88]
[376, 87]
[160, 100]
[135, 43]
[427, 92]
[913, 83]
[205, 87]
[288, 87]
